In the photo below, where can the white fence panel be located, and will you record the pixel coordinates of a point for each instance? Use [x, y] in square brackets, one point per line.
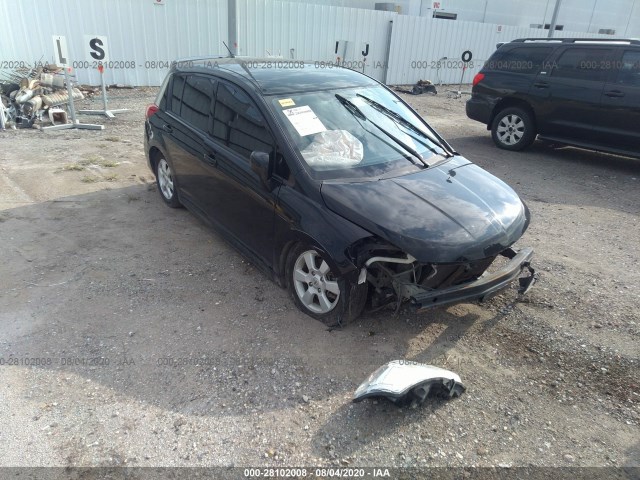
[138, 33]
[431, 49]
[302, 31]
[145, 35]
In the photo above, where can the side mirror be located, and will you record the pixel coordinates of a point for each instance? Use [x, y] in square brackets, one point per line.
[261, 166]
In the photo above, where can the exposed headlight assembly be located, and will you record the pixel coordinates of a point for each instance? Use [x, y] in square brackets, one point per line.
[404, 381]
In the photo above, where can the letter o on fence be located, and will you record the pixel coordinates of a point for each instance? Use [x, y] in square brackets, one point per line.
[467, 56]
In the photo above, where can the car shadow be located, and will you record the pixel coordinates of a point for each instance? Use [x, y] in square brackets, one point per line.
[149, 303]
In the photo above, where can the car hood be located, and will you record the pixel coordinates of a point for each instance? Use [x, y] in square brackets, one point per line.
[453, 212]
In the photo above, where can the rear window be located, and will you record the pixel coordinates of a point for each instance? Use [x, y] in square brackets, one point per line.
[518, 60]
[584, 64]
[176, 94]
[163, 94]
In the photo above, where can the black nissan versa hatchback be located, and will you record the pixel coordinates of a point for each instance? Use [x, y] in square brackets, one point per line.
[581, 92]
[333, 185]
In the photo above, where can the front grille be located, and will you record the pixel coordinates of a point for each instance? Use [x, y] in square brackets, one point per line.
[455, 274]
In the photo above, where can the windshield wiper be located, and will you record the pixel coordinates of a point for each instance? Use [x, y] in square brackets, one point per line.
[405, 123]
[355, 111]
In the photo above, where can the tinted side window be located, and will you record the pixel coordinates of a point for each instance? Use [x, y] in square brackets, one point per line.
[519, 60]
[238, 123]
[163, 94]
[584, 64]
[176, 93]
[197, 99]
[629, 73]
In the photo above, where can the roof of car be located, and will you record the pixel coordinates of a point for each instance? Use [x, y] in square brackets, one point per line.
[274, 75]
[564, 42]
[620, 41]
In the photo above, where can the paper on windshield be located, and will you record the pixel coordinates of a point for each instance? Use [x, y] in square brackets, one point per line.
[334, 148]
[286, 102]
[304, 120]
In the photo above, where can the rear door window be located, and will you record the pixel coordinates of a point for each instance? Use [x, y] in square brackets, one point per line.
[584, 64]
[519, 60]
[629, 71]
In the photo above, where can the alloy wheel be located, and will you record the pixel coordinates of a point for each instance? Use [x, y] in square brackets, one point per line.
[511, 129]
[165, 179]
[314, 283]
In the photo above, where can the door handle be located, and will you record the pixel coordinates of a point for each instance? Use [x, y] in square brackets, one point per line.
[614, 93]
[210, 158]
[167, 128]
[541, 84]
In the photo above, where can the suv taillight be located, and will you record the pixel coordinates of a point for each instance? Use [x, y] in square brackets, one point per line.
[478, 78]
[151, 110]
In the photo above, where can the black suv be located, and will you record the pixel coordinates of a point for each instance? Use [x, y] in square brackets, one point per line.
[582, 92]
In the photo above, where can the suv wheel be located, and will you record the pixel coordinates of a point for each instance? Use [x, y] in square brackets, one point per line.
[166, 183]
[513, 129]
[318, 292]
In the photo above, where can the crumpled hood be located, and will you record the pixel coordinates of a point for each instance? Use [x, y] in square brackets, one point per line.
[449, 213]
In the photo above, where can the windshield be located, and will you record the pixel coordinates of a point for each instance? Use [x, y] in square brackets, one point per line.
[357, 133]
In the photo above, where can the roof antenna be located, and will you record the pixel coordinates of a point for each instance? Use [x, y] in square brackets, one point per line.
[231, 55]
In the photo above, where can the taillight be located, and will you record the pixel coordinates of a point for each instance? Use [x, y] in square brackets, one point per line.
[478, 78]
[151, 110]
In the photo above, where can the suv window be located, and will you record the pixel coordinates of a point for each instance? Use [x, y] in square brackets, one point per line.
[584, 64]
[197, 100]
[238, 123]
[629, 73]
[519, 60]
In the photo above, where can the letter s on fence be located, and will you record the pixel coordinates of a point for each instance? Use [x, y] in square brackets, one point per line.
[97, 48]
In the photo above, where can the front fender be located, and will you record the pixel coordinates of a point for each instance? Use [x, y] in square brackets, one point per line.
[301, 219]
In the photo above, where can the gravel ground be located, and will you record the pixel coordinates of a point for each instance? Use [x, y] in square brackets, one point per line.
[130, 334]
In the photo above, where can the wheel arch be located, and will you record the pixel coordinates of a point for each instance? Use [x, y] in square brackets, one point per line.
[353, 295]
[154, 156]
[336, 256]
[510, 102]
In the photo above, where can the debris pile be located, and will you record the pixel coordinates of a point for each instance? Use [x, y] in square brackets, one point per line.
[420, 87]
[35, 94]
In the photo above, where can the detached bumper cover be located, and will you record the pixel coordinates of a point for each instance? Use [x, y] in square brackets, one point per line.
[404, 381]
[485, 287]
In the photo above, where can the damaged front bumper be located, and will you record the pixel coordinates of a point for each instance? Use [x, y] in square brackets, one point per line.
[485, 286]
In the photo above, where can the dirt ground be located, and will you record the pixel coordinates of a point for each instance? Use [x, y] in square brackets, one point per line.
[131, 334]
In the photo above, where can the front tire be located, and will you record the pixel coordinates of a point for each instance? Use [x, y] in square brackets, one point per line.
[166, 183]
[316, 290]
[513, 129]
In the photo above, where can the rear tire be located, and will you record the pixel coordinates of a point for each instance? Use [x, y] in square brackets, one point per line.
[513, 129]
[317, 292]
[165, 180]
